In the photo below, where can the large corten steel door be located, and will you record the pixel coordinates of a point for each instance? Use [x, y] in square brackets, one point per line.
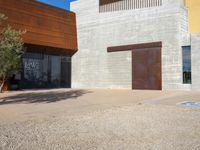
[146, 69]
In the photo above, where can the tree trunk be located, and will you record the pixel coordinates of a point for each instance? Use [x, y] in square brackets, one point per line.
[1, 87]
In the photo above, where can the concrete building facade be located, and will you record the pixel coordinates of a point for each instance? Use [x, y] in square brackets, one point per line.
[103, 26]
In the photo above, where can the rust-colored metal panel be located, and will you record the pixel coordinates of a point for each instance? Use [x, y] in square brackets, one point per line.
[146, 69]
[104, 2]
[45, 25]
[134, 46]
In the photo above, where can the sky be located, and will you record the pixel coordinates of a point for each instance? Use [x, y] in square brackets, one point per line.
[58, 3]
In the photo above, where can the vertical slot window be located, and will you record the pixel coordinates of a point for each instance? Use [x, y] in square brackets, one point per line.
[186, 55]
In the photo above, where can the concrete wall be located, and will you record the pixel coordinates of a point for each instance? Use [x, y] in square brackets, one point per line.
[195, 55]
[94, 67]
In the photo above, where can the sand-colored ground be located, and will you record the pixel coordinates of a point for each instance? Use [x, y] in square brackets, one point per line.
[99, 119]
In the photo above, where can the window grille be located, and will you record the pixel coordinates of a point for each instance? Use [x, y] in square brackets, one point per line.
[116, 5]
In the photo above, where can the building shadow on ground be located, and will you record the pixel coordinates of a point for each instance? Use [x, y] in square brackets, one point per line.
[42, 97]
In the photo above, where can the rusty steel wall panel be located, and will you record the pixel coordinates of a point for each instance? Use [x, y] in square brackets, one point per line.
[45, 25]
[134, 46]
[104, 2]
[146, 69]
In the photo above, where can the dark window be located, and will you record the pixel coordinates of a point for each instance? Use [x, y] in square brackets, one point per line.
[44, 70]
[186, 52]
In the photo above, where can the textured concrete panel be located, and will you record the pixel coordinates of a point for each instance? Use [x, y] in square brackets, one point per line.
[94, 67]
[195, 52]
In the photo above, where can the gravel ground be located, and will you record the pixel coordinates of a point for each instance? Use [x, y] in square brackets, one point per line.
[107, 123]
[138, 127]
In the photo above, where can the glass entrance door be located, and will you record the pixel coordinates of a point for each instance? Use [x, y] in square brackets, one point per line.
[46, 71]
[65, 72]
[55, 70]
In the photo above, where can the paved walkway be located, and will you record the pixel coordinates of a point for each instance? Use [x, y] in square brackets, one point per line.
[36, 103]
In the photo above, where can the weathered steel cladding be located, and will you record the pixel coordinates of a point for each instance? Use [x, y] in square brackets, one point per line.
[134, 46]
[45, 25]
[104, 2]
[146, 69]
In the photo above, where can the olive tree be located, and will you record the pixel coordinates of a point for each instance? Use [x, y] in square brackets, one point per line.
[11, 51]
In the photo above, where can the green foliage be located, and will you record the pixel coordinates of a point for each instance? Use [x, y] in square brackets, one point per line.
[11, 51]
